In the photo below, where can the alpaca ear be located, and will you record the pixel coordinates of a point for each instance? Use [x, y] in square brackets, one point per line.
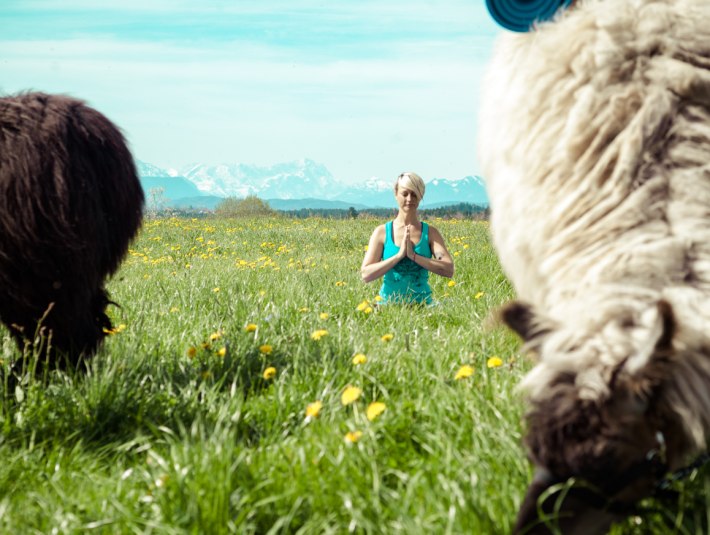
[668, 326]
[655, 352]
[522, 318]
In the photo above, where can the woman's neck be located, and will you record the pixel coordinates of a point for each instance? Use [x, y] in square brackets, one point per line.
[407, 218]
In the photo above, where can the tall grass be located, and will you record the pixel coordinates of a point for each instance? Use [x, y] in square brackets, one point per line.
[176, 427]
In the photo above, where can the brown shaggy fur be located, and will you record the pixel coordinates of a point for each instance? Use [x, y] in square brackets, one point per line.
[70, 202]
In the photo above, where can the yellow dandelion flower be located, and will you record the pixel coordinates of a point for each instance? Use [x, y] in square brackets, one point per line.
[362, 306]
[215, 336]
[360, 358]
[378, 298]
[374, 409]
[451, 284]
[117, 329]
[250, 327]
[457, 253]
[191, 351]
[324, 315]
[174, 309]
[387, 337]
[269, 373]
[265, 349]
[353, 436]
[303, 309]
[341, 283]
[494, 362]
[478, 295]
[350, 395]
[215, 290]
[262, 293]
[464, 372]
[320, 333]
[222, 352]
[367, 310]
[313, 409]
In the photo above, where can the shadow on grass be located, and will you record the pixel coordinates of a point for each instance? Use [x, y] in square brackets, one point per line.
[113, 401]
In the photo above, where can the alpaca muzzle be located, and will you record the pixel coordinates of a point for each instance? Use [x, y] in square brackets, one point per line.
[556, 506]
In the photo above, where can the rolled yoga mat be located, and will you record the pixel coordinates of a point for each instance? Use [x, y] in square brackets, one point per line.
[519, 15]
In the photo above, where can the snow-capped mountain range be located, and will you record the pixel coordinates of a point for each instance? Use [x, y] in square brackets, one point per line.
[204, 185]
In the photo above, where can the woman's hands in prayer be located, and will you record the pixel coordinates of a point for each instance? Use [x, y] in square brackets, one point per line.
[407, 247]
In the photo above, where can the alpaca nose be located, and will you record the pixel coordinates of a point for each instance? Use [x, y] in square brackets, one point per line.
[563, 510]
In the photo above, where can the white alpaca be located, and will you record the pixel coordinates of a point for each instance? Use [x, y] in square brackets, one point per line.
[595, 146]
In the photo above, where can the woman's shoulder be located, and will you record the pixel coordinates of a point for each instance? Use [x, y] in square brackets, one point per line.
[433, 231]
[380, 231]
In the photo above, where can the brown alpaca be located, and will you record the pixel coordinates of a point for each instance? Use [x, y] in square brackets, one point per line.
[70, 202]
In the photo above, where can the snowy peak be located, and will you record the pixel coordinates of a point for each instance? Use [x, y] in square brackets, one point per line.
[304, 179]
[148, 169]
[289, 180]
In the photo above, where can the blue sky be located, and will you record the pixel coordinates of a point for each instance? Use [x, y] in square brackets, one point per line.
[368, 88]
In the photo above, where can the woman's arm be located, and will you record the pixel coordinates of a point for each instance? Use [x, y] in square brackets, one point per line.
[441, 262]
[373, 267]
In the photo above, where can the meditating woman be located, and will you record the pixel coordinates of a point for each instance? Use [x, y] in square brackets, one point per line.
[405, 250]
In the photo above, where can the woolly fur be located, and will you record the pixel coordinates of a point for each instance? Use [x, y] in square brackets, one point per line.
[595, 146]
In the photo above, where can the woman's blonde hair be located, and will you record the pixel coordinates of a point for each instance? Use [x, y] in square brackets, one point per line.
[412, 182]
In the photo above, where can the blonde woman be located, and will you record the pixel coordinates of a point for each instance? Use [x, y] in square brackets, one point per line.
[405, 250]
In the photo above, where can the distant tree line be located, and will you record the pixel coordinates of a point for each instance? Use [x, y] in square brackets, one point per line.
[454, 211]
[253, 206]
[462, 210]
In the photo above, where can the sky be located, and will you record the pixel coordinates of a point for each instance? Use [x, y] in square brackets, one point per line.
[365, 87]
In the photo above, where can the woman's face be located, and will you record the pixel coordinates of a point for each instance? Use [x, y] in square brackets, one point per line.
[406, 199]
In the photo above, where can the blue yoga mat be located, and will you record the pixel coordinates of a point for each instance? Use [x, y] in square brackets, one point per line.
[519, 15]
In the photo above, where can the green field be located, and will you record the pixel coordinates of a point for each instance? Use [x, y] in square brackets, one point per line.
[193, 416]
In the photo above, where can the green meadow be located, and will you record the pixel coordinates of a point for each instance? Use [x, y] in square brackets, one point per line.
[253, 385]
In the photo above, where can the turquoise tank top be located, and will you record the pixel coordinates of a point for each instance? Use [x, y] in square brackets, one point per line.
[407, 282]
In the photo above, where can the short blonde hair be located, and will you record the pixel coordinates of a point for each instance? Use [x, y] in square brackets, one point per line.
[412, 182]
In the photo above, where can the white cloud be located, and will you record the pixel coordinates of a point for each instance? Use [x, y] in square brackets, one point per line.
[409, 102]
